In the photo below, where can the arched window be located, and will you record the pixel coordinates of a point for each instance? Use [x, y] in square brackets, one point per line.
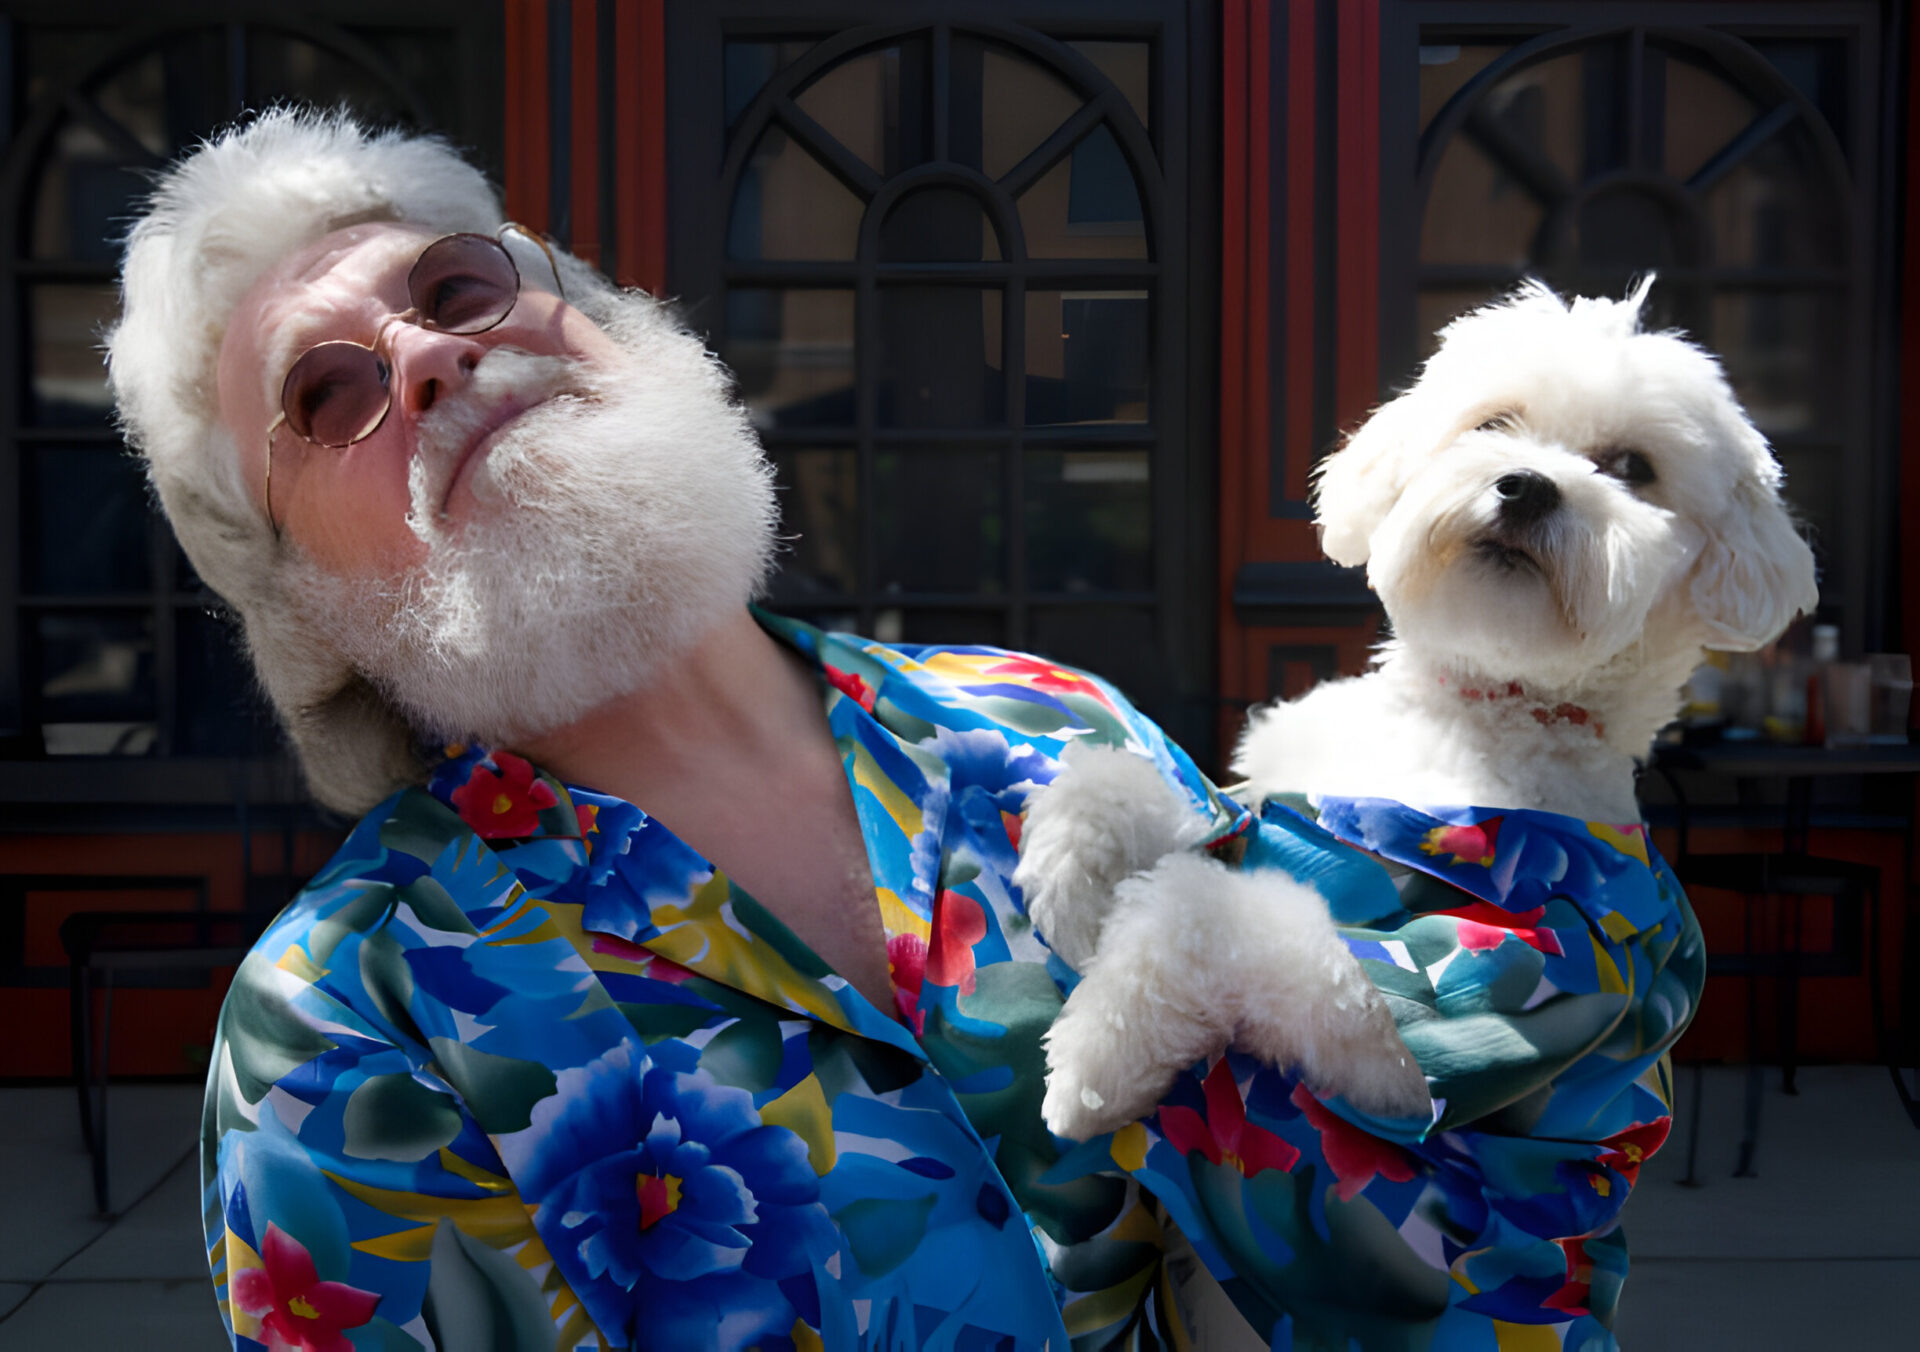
[1741, 167]
[109, 645]
[948, 264]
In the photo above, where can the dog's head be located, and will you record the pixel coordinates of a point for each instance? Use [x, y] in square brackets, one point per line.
[1560, 485]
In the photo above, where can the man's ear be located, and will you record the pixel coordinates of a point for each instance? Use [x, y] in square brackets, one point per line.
[1755, 574]
[1356, 486]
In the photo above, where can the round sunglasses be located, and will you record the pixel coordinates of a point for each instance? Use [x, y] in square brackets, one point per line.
[339, 392]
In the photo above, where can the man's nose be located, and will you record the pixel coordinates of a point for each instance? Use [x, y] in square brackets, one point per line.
[429, 364]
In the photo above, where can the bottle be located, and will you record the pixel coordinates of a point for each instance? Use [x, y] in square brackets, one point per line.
[1826, 652]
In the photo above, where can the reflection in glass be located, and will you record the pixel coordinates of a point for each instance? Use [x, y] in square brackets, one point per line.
[1088, 355]
[874, 105]
[939, 520]
[90, 667]
[1445, 70]
[1086, 206]
[819, 494]
[747, 66]
[1476, 212]
[1787, 383]
[1129, 66]
[85, 521]
[1705, 113]
[939, 355]
[221, 712]
[1021, 105]
[792, 354]
[1766, 212]
[781, 173]
[938, 225]
[69, 380]
[1089, 521]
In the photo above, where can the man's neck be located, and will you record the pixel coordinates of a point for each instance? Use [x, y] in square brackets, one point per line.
[736, 699]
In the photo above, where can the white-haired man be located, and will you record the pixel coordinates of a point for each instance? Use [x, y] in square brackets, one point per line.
[673, 991]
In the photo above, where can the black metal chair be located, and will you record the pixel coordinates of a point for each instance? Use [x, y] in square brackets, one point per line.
[1791, 874]
[102, 945]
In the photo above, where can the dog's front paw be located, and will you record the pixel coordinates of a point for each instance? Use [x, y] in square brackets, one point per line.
[1090, 1089]
[1361, 1058]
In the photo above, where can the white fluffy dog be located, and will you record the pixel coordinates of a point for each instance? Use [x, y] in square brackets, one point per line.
[1558, 517]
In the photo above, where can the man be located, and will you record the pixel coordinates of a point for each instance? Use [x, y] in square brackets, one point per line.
[672, 991]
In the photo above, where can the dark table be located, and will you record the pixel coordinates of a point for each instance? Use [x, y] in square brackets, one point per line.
[1798, 767]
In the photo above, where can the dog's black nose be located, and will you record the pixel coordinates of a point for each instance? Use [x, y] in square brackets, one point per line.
[1525, 497]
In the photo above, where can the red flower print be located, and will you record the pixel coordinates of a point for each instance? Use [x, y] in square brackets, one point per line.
[1013, 823]
[1467, 844]
[503, 804]
[297, 1310]
[658, 968]
[1038, 675]
[1224, 1135]
[1573, 1297]
[1629, 1149]
[907, 961]
[852, 685]
[958, 924]
[1355, 1156]
[1484, 926]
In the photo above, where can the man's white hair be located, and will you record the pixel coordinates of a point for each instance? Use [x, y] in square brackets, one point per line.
[218, 222]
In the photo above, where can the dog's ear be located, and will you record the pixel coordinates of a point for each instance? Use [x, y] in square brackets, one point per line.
[1356, 486]
[1756, 573]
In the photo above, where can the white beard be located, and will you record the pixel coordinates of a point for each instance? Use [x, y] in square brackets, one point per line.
[616, 524]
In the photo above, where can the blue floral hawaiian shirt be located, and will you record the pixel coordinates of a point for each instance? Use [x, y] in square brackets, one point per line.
[519, 1069]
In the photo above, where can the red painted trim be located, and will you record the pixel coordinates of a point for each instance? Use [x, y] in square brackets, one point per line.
[1357, 213]
[584, 96]
[1300, 246]
[526, 112]
[650, 216]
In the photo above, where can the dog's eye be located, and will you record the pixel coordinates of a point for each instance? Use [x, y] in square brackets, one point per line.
[1629, 467]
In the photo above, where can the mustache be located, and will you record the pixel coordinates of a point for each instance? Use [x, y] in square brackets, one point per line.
[505, 379]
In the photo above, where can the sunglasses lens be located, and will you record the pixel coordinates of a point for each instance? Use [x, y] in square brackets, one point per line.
[336, 394]
[464, 284]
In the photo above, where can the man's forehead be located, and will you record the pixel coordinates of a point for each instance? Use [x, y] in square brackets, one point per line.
[324, 281]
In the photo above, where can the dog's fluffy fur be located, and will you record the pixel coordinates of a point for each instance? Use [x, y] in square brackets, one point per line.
[1558, 517]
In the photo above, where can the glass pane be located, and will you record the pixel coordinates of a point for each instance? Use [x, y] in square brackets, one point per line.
[1446, 68]
[1817, 67]
[1088, 355]
[1113, 642]
[89, 186]
[952, 628]
[1130, 66]
[792, 353]
[69, 376]
[1813, 488]
[939, 520]
[1086, 206]
[1544, 106]
[1783, 354]
[1434, 309]
[788, 206]
[819, 494]
[283, 67]
[1021, 104]
[1704, 113]
[220, 712]
[746, 68]
[93, 668]
[939, 357]
[1476, 213]
[1089, 521]
[938, 225]
[875, 106]
[85, 521]
[1777, 208]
